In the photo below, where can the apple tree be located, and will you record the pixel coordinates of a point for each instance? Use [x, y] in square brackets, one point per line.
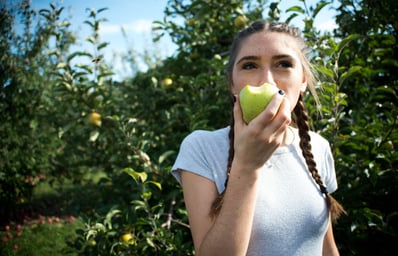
[367, 155]
[29, 143]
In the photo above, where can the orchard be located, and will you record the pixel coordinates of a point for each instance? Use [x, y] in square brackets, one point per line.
[85, 160]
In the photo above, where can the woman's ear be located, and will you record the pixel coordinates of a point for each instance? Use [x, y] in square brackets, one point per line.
[303, 86]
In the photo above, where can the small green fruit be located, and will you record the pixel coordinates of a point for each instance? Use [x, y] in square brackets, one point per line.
[254, 99]
[95, 119]
[128, 238]
[240, 21]
[167, 82]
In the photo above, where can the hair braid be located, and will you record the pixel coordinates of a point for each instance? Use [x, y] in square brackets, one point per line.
[217, 203]
[302, 121]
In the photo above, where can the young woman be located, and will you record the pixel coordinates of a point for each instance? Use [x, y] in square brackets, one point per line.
[262, 188]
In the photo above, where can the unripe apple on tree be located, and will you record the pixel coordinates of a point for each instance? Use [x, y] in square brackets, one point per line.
[254, 99]
[167, 82]
[95, 119]
[240, 21]
[128, 238]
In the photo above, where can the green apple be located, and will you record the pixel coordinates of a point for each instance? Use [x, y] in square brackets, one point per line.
[240, 21]
[254, 99]
[95, 119]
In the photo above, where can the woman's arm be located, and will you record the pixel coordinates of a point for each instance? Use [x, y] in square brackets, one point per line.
[228, 233]
[329, 245]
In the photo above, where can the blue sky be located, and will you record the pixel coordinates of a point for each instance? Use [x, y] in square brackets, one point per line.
[136, 17]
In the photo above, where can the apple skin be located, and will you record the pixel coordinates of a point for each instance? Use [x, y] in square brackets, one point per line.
[128, 238]
[254, 99]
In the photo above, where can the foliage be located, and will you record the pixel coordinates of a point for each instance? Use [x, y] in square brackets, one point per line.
[64, 118]
[26, 151]
[368, 156]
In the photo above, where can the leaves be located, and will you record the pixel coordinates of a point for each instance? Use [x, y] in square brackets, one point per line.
[296, 8]
[346, 41]
[137, 176]
[47, 98]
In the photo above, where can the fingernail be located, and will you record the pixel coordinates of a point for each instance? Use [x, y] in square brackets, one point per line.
[281, 92]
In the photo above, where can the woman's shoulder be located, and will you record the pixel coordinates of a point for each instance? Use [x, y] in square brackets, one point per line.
[200, 136]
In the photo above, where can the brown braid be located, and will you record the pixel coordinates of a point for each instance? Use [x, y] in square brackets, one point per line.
[218, 202]
[302, 121]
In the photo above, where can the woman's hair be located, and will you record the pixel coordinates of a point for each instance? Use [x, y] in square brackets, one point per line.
[300, 116]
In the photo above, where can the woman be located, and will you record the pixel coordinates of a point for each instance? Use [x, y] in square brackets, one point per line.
[262, 188]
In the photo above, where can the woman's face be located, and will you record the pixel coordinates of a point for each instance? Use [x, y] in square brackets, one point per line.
[270, 57]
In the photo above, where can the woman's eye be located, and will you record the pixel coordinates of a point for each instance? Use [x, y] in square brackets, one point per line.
[285, 64]
[249, 65]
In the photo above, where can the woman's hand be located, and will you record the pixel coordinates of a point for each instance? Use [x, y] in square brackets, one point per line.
[255, 142]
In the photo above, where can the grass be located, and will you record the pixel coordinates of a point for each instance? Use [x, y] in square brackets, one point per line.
[41, 239]
[50, 227]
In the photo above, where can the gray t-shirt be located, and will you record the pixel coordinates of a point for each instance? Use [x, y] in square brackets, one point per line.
[291, 216]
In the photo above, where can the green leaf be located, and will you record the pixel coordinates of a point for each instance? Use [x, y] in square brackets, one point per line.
[318, 8]
[146, 195]
[157, 184]
[67, 85]
[88, 68]
[61, 65]
[90, 39]
[165, 155]
[138, 205]
[390, 62]
[296, 8]
[80, 74]
[105, 74]
[150, 242]
[102, 45]
[59, 11]
[325, 71]
[65, 23]
[102, 9]
[346, 41]
[291, 17]
[109, 216]
[137, 176]
[75, 54]
[352, 70]
[89, 23]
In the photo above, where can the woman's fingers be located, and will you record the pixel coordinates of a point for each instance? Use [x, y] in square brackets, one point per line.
[284, 115]
[255, 142]
[271, 111]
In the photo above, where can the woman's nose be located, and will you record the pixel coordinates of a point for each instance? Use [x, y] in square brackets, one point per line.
[266, 77]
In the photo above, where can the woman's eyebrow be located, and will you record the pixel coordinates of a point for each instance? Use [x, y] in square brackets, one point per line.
[282, 56]
[254, 57]
[249, 57]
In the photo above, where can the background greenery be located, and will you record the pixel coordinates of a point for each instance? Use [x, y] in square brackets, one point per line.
[86, 160]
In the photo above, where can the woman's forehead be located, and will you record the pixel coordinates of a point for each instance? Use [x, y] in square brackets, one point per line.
[268, 43]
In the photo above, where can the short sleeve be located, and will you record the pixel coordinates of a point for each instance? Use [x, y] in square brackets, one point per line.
[204, 153]
[191, 158]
